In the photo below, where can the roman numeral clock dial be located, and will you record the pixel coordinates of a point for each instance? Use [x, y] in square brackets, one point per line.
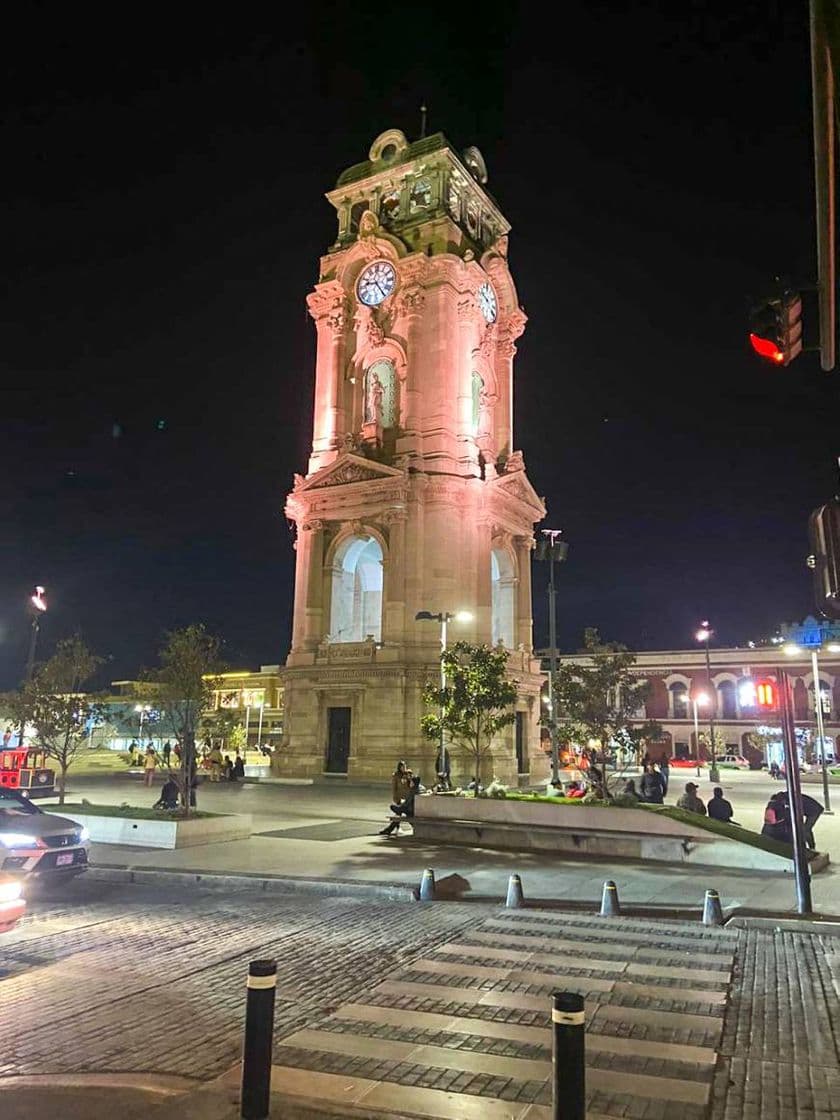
[376, 283]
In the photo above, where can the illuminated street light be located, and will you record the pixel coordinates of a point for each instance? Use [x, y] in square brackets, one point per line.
[38, 606]
[700, 698]
[143, 711]
[552, 549]
[704, 635]
[443, 617]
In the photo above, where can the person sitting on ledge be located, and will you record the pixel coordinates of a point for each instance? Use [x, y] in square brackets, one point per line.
[575, 789]
[403, 809]
[168, 795]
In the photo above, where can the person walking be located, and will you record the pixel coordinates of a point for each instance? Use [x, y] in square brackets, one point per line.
[812, 810]
[690, 801]
[775, 773]
[443, 768]
[167, 753]
[777, 819]
[404, 808]
[665, 774]
[216, 763]
[650, 786]
[149, 765]
[719, 808]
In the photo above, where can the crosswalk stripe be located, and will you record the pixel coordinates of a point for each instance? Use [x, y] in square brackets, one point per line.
[524, 975]
[470, 1061]
[565, 945]
[525, 1001]
[639, 968]
[680, 942]
[516, 1032]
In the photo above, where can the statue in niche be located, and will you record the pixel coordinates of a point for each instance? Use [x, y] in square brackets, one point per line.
[484, 427]
[373, 405]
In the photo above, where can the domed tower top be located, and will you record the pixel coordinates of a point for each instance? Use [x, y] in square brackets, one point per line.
[425, 193]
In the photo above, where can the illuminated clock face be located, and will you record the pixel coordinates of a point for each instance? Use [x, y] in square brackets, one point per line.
[487, 302]
[376, 283]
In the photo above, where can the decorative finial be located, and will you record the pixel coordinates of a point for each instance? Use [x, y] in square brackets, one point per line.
[422, 122]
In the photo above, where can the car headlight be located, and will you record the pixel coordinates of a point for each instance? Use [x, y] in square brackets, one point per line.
[84, 836]
[17, 840]
[10, 892]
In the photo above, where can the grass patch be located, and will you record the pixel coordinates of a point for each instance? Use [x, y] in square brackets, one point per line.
[725, 831]
[683, 816]
[129, 812]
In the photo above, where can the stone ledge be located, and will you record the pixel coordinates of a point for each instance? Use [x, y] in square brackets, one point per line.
[168, 833]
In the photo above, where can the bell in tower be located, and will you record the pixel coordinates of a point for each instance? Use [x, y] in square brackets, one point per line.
[415, 497]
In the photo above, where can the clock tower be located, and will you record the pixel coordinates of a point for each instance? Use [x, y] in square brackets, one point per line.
[415, 497]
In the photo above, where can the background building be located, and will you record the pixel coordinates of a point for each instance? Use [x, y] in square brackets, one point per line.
[678, 678]
[415, 497]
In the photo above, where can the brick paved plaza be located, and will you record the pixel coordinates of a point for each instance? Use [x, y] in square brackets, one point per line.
[428, 1010]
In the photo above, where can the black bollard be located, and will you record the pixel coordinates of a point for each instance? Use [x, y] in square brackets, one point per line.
[568, 1068]
[259, 1032]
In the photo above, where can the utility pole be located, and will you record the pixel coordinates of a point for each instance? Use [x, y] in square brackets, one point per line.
[822, 88]
[551, 548]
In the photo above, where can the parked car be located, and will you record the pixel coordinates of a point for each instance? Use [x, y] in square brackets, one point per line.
[37, 844]
[12, 904]
[736, 761]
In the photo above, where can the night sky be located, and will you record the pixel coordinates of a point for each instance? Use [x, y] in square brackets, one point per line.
[162, 224]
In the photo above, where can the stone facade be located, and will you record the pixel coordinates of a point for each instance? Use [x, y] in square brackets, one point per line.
[415, 497]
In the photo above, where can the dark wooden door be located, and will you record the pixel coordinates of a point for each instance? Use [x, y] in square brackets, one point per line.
[338, 740]
[522, 761]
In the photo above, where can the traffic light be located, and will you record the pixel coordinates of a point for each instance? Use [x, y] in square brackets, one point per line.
[776, 328]
[765, 695]
[824, 531]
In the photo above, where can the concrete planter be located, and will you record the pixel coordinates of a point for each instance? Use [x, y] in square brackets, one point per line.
[166, 832]
[540, 826]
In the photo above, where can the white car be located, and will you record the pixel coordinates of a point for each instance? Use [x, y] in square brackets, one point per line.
[37, 844]
[736, 761]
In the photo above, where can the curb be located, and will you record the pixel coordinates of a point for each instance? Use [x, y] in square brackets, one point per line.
[267, 884]
[826, 927]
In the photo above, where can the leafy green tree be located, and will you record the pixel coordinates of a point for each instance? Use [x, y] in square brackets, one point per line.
[190, 661]
[600, 700]
[54, 703]
[476, 704]
[225, 724]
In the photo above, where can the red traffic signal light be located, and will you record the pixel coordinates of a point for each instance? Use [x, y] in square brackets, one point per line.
[765, 695]
[776, 328]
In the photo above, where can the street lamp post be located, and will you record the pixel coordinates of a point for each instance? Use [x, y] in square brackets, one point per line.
[704, 634]
[443, 617]
[142, 711]
[39, 606]
[699, 698]
[793, 650]
[552, 549]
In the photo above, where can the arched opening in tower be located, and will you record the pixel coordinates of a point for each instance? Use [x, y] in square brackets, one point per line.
[356, 605]
[503, 585]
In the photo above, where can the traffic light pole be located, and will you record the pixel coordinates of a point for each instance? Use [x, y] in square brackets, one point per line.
[801, 870]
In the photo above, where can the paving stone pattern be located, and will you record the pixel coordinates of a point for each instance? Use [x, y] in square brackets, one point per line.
[651, 1038]
[451, 1000]
[779, 1054]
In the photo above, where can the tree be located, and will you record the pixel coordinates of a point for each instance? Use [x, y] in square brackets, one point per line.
[476, 703]
[190, 661]
[56, 706]
[601, 700]
[225, 724]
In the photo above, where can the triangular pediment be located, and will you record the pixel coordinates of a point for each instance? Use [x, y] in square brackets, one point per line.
[516, 485]
[347, 469]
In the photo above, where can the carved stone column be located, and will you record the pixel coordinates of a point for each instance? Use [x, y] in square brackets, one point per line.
[328, 307]
[393, 614]
[508, 330]
[313, 627]
[524, 605]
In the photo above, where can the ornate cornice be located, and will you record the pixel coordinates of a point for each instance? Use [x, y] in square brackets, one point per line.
[328, 304]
